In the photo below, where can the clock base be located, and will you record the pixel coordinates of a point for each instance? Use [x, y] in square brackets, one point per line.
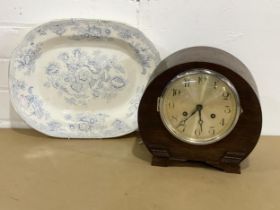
[165, 161]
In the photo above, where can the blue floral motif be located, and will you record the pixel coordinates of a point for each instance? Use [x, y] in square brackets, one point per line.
[58, 29]
[119, 125]
[41, 31]
[144, 54]
[118, 82]
[93, 122]
[90, 123]
[125, 34]
[18, 85]
[144, 57]
[116, 127]
[54, 126]
[86, 75]
[53, 68]
[27, 57]
[31, 103]
[92, 31]
[107, 31]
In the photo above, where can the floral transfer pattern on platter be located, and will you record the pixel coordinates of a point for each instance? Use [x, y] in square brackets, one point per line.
[86, 76]
[81, 78]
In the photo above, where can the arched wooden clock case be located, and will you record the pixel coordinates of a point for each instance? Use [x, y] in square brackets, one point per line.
[225, 154]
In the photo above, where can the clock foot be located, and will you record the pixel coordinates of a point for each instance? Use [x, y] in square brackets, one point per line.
[160, 161]
[232, 169]
[165, 161]
[229, 168]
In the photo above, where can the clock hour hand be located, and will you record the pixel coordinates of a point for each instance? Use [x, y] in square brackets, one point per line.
[200, 122]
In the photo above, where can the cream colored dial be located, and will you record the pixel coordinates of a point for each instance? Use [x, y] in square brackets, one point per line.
[199, 106]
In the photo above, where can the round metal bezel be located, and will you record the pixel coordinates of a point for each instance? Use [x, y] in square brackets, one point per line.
[220, 77]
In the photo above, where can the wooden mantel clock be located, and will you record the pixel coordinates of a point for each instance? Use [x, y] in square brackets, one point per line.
[201, 105]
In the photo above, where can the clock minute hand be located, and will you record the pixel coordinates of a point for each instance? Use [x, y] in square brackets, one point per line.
[183, 122]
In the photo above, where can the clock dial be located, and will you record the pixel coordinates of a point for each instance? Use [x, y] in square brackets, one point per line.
[200, 106]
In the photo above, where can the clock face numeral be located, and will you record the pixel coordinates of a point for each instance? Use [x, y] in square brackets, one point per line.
[199, 107]
[201, 79]
[187, 82]
[171, 105]
[176, 92]
[181, 128]
[198, 132]
[222, 122]
[215, 85]
[227, 109]
[226, 95]
[174, 118]
[211, 130]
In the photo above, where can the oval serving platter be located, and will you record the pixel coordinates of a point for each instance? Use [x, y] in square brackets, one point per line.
[81, 78]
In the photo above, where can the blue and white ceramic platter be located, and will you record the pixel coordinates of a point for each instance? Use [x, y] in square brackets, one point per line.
[81, 78]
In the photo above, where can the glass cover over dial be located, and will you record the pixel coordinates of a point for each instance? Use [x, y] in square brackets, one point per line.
[199, 106]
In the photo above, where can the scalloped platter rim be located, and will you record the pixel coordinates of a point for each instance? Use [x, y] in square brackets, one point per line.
[81, 78]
